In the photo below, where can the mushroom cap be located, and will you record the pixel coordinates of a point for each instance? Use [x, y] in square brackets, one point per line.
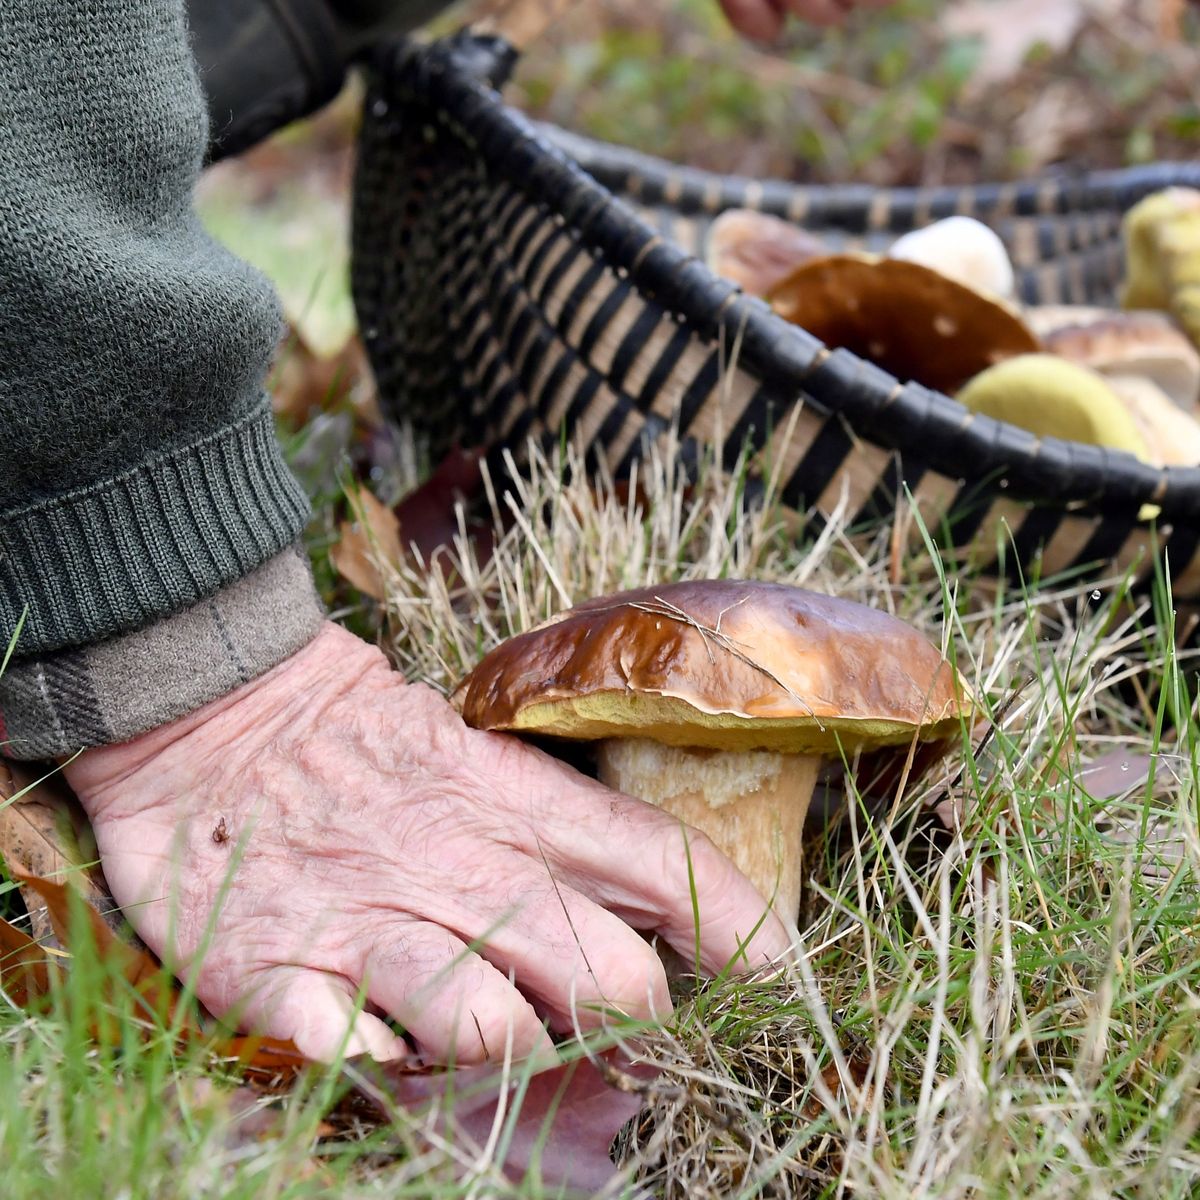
[1051, 397]
[1153, 230]
[911, 320]
[1172, 436]
[1133, 343]
[964, 249]
[1047, 319]
[723, 665]
[756, 250]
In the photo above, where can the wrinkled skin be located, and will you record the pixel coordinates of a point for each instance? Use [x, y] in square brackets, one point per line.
[329, 826]
[763, 20]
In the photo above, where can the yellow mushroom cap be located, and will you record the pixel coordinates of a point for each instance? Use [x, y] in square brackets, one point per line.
[1157, 230]
[1051, 397]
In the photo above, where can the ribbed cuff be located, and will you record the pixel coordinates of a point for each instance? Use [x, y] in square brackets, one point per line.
[114, 690]
[109, 558]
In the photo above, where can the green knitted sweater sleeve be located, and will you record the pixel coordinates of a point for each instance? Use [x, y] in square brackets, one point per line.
[140, 473]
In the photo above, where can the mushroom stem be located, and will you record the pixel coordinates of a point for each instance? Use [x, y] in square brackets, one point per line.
[751, 803]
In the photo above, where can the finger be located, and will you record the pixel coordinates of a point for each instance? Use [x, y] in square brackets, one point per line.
[643, 865]
[317, 1011]
[756, 19]
[453, 1003]
[582, 963]
[703, 903]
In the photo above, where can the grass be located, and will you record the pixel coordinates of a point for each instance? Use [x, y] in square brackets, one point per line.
[1000, 1001]
[1002, 982]
[1005, 1005]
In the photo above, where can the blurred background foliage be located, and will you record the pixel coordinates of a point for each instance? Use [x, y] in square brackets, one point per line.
[923, 92]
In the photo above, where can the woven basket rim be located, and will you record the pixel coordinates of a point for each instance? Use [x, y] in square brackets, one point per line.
[454, 78]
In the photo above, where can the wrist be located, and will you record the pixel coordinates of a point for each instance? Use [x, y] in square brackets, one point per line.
[247, 717]
[113, 690]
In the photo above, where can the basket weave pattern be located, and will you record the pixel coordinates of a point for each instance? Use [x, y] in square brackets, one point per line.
[507, 293]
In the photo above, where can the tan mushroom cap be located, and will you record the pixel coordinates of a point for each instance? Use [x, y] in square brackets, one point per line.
[1134, 343]
[756, 250]
[722, 665]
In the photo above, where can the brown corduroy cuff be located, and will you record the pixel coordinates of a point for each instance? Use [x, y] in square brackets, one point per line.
[112, 690]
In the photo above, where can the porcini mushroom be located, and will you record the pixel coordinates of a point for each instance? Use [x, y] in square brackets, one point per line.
[964, 249]
[756, 250]
[1162, 251]
[911, 320]
[718, 700]
[1172, 436]
[1145, 344]
[1052, 397]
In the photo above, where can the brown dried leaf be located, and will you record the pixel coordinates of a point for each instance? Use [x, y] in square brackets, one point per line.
[43, 831]
[372, 536]
[910, 320]
[137, 968]
[567, 1119]
[1115, 773]
[25, 967]
[305, 383]
[427, 514]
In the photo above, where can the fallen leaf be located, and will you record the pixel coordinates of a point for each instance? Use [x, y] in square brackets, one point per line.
[1115, 773]
[566, 1117]
[427, 514]
[25, 967]
[562, 1131]
[41, 828]
[423, 522]
[131, 966]
[303, 383]
[371, 538]
[858, 1066]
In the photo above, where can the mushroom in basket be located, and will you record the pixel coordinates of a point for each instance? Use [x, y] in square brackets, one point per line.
[718, 700]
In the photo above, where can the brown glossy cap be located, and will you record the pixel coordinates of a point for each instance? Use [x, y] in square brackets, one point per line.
[722, 664]
[911, 320]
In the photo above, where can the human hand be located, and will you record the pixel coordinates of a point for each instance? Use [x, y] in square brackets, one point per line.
[763, 20]
[334, 827]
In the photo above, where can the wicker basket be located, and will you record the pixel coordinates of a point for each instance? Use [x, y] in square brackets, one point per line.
[513, 281]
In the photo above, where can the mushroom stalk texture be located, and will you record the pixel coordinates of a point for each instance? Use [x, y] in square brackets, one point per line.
[751, 803]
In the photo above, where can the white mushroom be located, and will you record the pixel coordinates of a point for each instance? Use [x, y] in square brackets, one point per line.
[964, 249]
